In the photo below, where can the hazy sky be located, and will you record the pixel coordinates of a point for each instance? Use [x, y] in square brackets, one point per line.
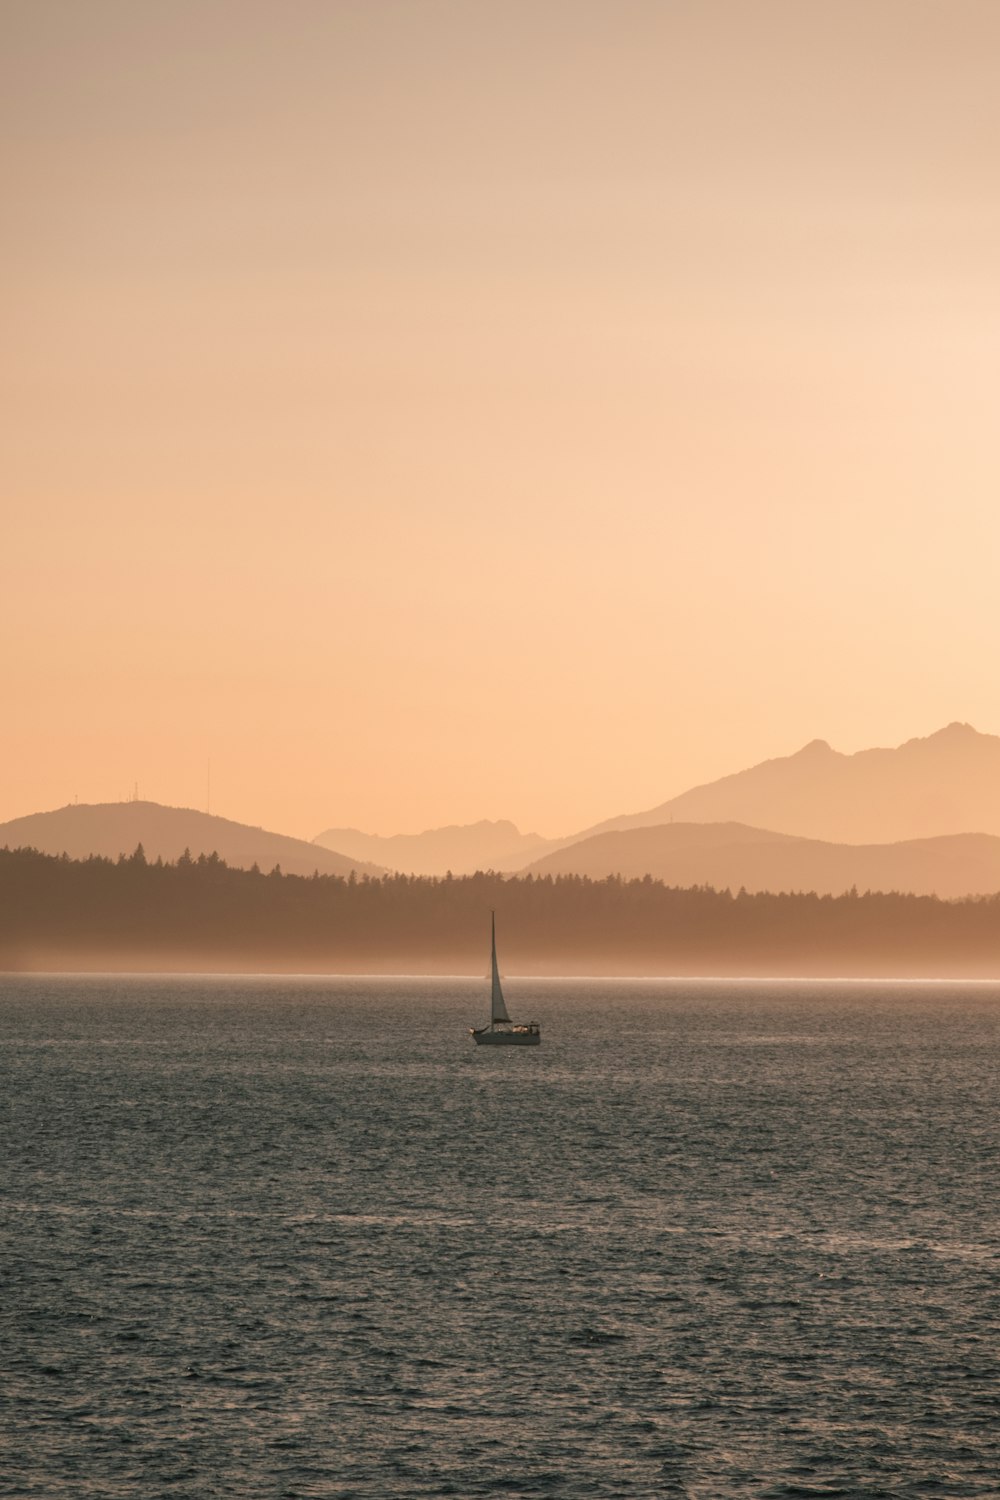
[438, 409]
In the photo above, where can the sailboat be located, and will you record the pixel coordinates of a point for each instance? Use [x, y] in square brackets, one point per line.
[501, 1032]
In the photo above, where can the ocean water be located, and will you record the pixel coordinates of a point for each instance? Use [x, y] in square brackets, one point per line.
[293, 1237]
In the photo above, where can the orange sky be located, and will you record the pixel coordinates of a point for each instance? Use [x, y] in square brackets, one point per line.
[429, 410]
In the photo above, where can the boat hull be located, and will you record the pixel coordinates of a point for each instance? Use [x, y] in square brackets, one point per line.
[488, 1038]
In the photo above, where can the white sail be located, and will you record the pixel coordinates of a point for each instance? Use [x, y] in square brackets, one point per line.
[498, 1008]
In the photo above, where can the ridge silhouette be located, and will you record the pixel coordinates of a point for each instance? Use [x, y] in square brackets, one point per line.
[114, 828]
[733, 855]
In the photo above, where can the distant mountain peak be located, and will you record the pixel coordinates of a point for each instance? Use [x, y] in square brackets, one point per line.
[955, 735]
[957, 729]
[817, 747]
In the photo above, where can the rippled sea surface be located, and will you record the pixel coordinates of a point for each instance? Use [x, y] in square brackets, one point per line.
[279, 1237]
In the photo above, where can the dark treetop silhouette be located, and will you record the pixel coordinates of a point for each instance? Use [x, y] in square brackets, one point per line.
[199, 914]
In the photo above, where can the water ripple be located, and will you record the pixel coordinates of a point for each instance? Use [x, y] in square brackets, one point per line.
[294, 1238]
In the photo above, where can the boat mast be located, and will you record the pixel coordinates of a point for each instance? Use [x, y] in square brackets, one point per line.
[494, 976]
[498, 1010]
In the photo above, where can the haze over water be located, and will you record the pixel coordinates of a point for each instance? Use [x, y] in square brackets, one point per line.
[300, 1238]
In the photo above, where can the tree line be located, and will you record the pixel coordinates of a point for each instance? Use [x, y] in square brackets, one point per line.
[192, 914]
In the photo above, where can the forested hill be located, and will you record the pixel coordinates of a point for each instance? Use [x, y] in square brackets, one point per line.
[114, 828]
[61, 914]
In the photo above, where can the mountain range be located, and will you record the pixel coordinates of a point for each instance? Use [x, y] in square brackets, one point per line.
[948, 782]
[923, 817]
[945, 784]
